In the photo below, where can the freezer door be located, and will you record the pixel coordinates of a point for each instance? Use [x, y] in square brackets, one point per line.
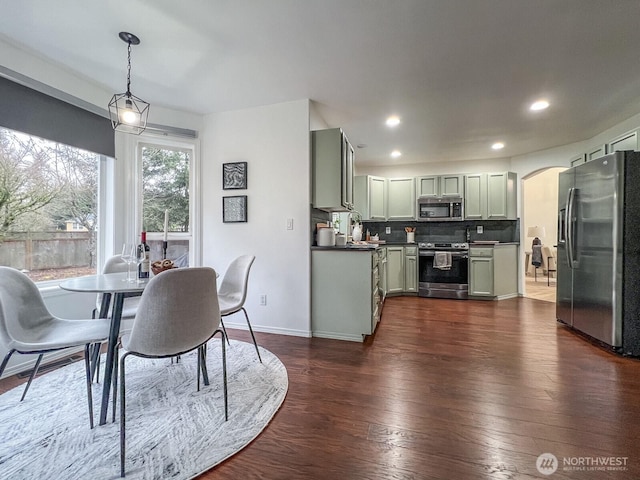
[564, 274]
[596, 251]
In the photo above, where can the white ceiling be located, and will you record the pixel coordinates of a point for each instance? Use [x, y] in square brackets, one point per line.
[460, 73]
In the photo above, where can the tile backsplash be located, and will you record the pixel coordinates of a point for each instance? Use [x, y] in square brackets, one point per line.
[444, 232]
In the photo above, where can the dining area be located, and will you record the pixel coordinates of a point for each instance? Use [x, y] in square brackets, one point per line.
[143, 331]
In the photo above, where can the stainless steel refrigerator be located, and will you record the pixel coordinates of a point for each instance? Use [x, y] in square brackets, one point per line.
[598, 285]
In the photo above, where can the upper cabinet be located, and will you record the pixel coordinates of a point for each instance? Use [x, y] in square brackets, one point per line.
[370, 197]
[490, 196]
[440, 185]
[401, 199]
[628, 141]
[596, 152]
[332, 168]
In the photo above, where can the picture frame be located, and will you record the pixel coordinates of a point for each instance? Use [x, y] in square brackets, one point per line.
[234, 209]
[234, 176]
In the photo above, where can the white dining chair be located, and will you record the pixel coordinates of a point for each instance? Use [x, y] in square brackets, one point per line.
[178, 313]
[27, 327]
[233, 292]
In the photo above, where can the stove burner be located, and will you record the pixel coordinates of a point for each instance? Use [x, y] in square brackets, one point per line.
[443, 246]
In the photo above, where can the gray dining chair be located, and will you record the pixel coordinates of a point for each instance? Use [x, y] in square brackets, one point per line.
[178, 313]
[27, 327]
[233, 292]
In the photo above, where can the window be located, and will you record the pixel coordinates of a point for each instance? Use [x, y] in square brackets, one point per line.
[166, 188]
[48, 207]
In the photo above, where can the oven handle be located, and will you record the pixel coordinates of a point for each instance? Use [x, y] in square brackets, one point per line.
[431, 253]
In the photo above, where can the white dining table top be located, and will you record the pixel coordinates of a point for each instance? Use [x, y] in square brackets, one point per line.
[103, 283]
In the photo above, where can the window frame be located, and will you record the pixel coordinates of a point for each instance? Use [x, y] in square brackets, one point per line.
[193, 235]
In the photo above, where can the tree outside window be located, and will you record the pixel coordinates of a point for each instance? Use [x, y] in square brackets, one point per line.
[45, 186]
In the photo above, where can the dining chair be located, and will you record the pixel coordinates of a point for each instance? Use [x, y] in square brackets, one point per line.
[233, 292]
[27, 327]
[178, 313]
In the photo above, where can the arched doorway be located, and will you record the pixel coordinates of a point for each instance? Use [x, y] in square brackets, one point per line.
[540, 206]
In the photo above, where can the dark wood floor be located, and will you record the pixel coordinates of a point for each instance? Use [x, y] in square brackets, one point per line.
[446, 390]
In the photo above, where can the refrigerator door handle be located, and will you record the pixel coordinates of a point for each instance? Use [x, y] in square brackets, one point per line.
[568, 225]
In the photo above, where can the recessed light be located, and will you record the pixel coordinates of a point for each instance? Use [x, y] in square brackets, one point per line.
[498, 146]
[393, 121]
[396, 154]
[539, 105]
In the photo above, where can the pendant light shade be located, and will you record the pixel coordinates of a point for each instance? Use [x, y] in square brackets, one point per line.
[128, 113]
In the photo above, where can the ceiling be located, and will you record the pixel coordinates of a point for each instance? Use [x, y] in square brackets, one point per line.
[459, 73]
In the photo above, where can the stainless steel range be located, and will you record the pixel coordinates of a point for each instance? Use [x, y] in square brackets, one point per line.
[443, 270]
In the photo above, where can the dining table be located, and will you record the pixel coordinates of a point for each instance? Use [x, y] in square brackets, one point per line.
[109, 285]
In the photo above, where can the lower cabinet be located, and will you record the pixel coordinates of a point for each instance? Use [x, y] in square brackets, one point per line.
[493, 271]
[346, 299]
[402, 270]
[411, 269]
[395, 270]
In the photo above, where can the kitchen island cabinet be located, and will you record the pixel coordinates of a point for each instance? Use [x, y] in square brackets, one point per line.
[345, 293]
[493, 271]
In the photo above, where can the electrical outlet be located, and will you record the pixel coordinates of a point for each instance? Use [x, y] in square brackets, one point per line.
[480, 229]
[263, 299]
[289, 223]
[387, 230]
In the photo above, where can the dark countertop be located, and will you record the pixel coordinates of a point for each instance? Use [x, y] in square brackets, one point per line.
[348, 248]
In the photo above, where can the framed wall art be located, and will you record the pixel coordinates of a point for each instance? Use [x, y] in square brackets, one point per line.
[234, 209]
[234, 176]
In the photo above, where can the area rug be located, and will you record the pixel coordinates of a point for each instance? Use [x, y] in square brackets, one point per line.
[173, 431]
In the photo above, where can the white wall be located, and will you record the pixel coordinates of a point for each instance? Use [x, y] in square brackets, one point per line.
[274, 140]
[540, 199]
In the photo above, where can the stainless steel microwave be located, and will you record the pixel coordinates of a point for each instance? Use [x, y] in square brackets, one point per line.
[440, 209]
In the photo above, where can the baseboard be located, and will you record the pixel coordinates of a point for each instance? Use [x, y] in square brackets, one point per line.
[339, 336]
[274, 330]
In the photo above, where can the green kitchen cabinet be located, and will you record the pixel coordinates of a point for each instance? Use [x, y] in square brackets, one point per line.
[411, 269]
[395, 270]
[440, 185]
[493, 271]
[490, 196]
[332, 170]
[370, 197]
[401, 199]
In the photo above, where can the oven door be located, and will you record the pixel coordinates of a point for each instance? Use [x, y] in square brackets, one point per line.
[443, 283]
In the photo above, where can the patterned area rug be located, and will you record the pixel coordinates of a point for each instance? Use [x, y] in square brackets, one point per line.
[173, 431]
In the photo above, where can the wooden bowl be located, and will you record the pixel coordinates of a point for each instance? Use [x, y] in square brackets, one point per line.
[158, 270]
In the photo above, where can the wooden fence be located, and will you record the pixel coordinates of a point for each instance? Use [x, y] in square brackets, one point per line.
[44, 250]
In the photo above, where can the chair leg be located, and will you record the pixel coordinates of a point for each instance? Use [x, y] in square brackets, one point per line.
[255, 344]
[95, 361]
[202, 365]
[87, 367]
[31, 377]
[225, 331]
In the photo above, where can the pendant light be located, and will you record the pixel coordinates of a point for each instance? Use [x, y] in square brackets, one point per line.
[128, 113]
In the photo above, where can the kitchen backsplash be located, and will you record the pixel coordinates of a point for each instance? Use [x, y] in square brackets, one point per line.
[446, 232]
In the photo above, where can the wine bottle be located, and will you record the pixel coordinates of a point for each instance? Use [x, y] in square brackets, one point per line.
[143, 266]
